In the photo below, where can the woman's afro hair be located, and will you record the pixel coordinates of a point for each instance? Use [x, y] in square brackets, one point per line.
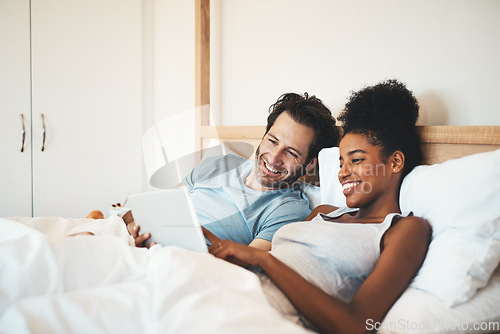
[387, 114]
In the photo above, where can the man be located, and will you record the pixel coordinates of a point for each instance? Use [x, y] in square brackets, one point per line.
[247, 201]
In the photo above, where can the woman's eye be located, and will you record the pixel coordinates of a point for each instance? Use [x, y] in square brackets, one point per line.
[356, 161]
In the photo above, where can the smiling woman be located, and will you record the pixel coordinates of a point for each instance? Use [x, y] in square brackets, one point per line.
[365, 176]
[349, 265]
[380, 143]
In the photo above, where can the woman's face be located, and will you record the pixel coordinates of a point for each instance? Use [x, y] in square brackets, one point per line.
[364, 175]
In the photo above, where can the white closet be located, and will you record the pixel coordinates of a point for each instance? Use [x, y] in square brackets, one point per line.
[77, 63]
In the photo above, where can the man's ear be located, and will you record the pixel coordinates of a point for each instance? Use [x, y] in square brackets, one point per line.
[310, 166]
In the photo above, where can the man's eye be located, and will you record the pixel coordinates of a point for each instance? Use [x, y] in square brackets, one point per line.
[293, 154]
[273, 141]
[356, 161]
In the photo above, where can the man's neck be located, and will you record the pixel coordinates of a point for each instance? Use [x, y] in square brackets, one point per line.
[252, 182]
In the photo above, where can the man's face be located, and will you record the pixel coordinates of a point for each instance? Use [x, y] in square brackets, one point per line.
[281, 157]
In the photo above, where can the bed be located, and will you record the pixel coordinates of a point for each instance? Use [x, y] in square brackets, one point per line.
[50, 282]
[458, 191]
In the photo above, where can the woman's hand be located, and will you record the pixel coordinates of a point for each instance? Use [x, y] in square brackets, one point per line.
[234, 252]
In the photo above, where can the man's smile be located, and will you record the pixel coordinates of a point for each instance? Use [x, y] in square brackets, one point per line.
[269, 168]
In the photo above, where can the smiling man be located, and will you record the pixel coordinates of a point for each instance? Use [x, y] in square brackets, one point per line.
[248, 201]
[283, 155]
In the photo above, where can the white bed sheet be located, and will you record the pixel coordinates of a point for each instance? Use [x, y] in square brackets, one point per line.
[50, 283]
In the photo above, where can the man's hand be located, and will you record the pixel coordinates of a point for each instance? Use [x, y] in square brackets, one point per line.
[133, 229]
[234, 252]
[140, 239]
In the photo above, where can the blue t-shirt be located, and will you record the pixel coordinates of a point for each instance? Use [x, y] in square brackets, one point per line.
[231, 210]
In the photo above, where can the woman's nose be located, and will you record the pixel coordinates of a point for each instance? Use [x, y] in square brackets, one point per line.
[344, 172]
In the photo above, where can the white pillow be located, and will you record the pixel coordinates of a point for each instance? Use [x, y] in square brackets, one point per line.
[417, 312]
[461, 200]
[313, 193]
[329, 166]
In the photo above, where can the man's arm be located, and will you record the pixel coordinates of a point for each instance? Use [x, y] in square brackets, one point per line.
[288, 212]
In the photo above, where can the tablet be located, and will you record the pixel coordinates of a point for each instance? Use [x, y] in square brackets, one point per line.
[169, 216]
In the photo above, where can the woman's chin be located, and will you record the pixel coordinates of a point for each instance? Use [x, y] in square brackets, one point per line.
[351, 202]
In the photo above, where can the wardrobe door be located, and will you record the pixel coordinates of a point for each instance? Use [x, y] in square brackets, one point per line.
[15, 156]
[86, 63]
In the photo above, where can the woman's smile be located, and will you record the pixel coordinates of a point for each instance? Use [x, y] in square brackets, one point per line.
[349, 187]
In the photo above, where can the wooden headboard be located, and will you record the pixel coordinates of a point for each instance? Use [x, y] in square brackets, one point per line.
[439, 143]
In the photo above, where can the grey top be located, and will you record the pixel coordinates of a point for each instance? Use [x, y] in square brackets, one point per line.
[336, 257]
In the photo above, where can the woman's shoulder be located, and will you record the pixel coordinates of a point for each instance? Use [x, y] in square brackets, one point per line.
[410, 227]
[323, 208]
[411, 221]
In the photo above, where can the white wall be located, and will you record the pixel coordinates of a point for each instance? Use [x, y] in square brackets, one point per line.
[447, 51]
[168, 35]
[168, 73]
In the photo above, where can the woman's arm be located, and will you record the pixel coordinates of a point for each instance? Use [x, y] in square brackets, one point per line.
[405, 246]
[261, 244]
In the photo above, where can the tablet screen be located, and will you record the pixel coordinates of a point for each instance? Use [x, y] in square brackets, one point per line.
[169, 216]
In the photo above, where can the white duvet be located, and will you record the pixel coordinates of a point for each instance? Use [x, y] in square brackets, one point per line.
[51, 283]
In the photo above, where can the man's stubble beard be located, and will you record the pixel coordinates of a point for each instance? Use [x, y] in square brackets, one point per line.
[279, 184]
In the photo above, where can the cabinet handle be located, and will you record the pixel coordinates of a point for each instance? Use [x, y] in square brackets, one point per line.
[23, 132]
[43, 133]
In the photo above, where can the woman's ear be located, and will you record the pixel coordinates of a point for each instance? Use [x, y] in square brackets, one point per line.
[310, 166]
[398, 161]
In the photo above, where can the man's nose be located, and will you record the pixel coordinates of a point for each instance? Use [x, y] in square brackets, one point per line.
[276, 157]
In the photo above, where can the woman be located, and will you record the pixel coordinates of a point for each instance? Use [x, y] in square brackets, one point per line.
[346, 268]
